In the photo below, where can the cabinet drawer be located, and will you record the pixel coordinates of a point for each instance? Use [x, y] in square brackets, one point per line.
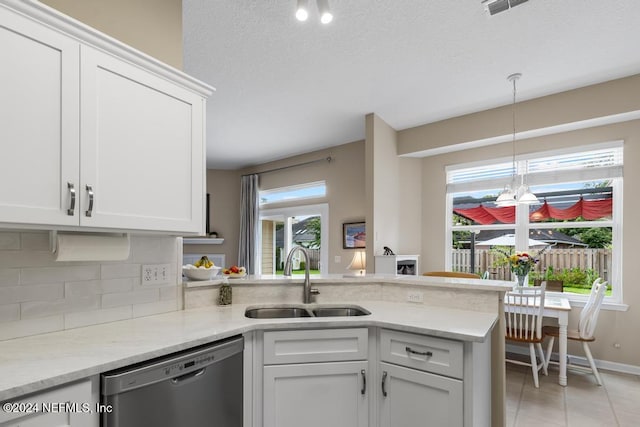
[437, 355]
[318, 345]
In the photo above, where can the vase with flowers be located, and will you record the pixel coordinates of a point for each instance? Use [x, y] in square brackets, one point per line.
[521, 263]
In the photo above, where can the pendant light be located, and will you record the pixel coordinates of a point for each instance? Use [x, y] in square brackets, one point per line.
[513, 193]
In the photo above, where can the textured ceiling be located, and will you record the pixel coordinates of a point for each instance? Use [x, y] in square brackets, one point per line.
[286, 87]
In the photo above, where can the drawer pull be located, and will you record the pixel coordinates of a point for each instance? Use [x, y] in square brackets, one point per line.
[419, 353]
[364, 382]
[384, 383]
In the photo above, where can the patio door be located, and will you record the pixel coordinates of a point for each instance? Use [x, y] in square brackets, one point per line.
[282, 229]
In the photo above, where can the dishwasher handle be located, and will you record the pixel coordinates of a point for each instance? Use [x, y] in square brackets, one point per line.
[188, 376]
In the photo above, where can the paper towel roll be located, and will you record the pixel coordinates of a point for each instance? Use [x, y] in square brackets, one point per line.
[92, 247]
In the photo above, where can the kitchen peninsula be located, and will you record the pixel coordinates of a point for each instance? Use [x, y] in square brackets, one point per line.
[464, 311]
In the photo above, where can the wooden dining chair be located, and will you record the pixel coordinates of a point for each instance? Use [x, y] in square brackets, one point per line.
[586, 327]
[523, 314]
[452, 274]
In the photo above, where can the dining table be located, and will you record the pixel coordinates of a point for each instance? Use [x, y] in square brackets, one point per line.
[558, 307]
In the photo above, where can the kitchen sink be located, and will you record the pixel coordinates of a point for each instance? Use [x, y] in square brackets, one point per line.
[314, 310]
[339, 311]
[276, 312]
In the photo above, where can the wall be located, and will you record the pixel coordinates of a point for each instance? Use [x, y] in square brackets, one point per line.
[223, 187]
[393, 190]
[344, 176]
[614, 327]
[151, 26]
[38, 294]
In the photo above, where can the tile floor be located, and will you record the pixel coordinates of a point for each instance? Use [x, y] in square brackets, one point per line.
[581, 404]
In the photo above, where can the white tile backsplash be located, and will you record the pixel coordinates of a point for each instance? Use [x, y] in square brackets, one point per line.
[25, 327]
[9, 240]
[9, 277]
[39, 295]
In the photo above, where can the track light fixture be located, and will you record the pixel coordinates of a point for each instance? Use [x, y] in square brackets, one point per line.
[302, 11]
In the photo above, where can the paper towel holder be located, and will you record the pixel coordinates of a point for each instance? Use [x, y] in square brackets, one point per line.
[88, 246]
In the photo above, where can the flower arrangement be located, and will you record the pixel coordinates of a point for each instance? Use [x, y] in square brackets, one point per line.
[521, 263]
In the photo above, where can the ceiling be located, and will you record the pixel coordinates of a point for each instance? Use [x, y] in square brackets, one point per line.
[286, 87]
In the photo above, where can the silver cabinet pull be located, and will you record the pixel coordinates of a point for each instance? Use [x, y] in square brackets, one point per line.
[384, 383]
[90, 192]
[72, 205]
[419, 353]
[364, 382]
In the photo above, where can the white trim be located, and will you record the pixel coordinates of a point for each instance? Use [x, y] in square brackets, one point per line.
[582, 361]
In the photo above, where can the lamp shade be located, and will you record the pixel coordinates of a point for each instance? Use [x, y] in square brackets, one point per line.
[358, 263]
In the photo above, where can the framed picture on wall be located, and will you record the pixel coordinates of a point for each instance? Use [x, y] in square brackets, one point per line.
[354, 235]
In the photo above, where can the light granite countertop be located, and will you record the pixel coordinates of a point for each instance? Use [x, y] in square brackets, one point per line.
[38, 362]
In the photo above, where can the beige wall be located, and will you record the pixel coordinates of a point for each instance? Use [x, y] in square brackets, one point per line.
[344, 176]
[151, 26]
[614, 327]
[393, 193]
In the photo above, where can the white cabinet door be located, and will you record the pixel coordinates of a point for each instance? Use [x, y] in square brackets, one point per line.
[142, 152]
[316, 395]
[415, 398]
[67, 406]
[38, 123]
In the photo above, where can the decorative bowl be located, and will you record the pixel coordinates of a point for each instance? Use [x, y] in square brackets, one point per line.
[199, 273]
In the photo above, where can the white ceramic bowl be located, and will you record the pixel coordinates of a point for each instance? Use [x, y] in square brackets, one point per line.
[199, 273]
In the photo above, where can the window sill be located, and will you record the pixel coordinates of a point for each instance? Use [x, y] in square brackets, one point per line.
[580, 301]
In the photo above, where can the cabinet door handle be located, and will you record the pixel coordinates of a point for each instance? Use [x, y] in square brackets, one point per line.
[90, 192]
[72, 204]
[419, 353]
[364, 382]
[384, 383]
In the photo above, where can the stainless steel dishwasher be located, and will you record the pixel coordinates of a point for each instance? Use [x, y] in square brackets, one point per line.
[194, 388]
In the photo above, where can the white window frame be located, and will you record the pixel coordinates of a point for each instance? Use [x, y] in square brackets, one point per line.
[522, 225]
[321, 209]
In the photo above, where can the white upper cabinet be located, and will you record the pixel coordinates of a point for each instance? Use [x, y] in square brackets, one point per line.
[39, 130]
[142, 150]
[95, 135]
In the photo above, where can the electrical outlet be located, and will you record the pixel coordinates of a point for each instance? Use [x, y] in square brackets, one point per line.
[155, 274]
[337, 259]
[415, 296]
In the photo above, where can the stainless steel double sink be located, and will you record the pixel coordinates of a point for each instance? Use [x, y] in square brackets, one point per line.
[313, 310]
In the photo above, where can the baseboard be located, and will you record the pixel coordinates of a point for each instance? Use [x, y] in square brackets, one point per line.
[582, 361]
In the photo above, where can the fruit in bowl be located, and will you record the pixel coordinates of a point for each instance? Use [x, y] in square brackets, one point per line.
[203, 269]
[234, 271]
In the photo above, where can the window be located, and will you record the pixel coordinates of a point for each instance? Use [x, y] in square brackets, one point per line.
[575, 229]
[293, 193]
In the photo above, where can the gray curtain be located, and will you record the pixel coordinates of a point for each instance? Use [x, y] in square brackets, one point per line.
[248, 222]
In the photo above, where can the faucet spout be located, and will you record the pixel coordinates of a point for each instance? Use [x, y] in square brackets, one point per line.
[307, 290]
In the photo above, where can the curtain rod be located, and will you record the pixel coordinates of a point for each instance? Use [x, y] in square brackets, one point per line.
[324, 159]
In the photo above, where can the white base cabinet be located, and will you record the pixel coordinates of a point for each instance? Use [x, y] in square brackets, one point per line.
[412, 398]
[67, 406]
[316, 395]
[361, 377]
[95, 135]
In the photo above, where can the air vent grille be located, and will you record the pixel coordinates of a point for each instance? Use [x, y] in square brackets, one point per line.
[497, 6]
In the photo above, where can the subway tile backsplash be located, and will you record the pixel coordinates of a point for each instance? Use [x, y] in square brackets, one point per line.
[39, 295]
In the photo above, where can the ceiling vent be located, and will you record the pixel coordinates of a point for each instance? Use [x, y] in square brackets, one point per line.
[497, 6]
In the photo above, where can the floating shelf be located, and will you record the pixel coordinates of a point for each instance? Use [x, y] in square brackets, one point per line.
[202, 241]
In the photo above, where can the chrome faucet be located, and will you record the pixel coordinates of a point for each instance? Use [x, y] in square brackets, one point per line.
[308, 290]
